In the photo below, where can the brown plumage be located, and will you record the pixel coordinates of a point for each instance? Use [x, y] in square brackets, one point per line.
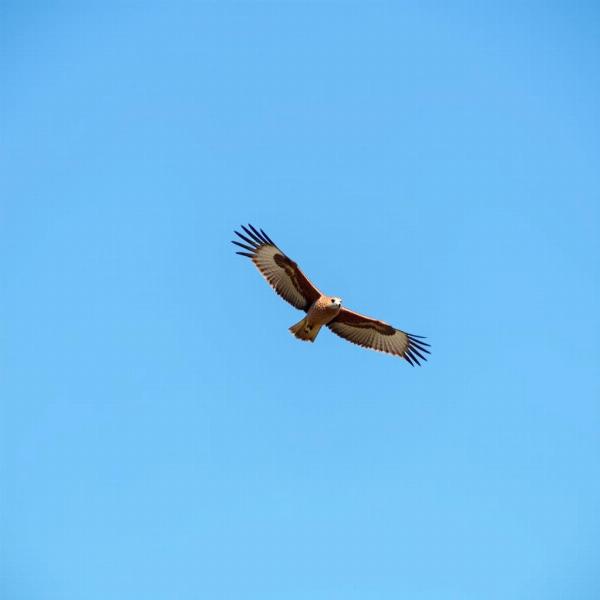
[286, 278]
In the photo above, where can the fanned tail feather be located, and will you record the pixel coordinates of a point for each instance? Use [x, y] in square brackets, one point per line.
[303, 331]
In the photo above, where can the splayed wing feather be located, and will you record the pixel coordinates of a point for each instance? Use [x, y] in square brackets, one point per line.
[255, 237]
[267, 238]
[244, 246]
[247, 240]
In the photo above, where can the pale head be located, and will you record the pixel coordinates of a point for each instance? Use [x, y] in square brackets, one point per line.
[334, 301]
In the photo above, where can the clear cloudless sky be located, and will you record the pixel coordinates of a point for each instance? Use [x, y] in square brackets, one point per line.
[164, 436]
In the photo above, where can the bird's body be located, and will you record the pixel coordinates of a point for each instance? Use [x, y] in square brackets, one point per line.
[284, 276]
[322, 311]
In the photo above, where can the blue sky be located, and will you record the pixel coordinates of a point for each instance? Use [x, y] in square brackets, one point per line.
[164, 436]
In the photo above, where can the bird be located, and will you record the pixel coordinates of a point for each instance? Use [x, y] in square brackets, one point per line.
[289, 282]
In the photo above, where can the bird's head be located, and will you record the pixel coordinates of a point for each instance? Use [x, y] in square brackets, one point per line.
[335, 302]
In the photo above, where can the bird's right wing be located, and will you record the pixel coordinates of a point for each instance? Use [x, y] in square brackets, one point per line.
[377, 335]
[280, 271]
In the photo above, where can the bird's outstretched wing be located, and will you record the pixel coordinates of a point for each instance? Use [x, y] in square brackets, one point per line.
[280, 271]
[370, 333]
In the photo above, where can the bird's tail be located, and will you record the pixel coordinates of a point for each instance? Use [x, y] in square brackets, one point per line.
[303, 331]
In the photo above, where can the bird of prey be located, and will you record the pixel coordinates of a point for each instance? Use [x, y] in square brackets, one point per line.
[285, 277]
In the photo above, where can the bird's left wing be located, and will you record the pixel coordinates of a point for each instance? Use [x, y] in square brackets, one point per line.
[370, 333]
[280, 271]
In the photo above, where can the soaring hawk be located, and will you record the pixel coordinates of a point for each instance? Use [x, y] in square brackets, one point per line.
[285, 277]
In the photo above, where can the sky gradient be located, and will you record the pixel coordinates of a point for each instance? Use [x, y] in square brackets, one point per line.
[164, 436]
